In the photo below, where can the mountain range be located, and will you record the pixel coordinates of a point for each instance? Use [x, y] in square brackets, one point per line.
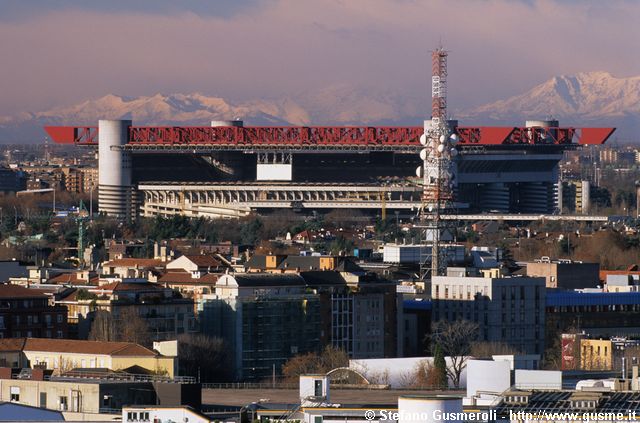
[584, 99]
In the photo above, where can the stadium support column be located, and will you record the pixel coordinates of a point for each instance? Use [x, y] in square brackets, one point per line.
[115, 191]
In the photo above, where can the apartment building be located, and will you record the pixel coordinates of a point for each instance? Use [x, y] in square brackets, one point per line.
[264, 318]
[507, 309]
[27, 312]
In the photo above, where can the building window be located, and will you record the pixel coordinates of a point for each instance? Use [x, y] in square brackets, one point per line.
[64, 403]
[15, 394]
[59, 318]
[43, 400]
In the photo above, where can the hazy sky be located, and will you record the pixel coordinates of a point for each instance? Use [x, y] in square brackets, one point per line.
[58, 52]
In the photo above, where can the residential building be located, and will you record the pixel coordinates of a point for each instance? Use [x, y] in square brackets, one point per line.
[359, 311]
[566, 274]
[62, 355]
[575, 197]
[12, 180]
[190, 285]
[196, 264]
[291, 264]
[416, 321]
[27, 312]
[140, 268]
[166, 312]
[507, 309]
[264, 318]
[596, 354]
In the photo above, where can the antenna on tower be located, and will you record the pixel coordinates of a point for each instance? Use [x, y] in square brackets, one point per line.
[437, 171]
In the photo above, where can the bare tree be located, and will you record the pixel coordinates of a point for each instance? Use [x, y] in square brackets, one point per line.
[204, 357]
[133, 328]
[455, 338]
[102, 327]
[419, 378]
[330, 358]
[484, 349]
[127, 327]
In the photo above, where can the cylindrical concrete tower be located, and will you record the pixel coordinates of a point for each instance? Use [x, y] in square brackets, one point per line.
[429, 408]
[227, 123]
[115, 192]
[549, 125]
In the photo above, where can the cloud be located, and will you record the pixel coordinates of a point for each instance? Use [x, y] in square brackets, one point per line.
[280, 48]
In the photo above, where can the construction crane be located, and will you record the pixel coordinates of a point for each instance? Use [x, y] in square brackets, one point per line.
[83, 214]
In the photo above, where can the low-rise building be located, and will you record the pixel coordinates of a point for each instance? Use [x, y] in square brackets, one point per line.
[566, 274]
[61, 355]
[82, 396]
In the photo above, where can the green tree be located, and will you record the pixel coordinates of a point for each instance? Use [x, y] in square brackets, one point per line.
[439, 378]
[250, 232]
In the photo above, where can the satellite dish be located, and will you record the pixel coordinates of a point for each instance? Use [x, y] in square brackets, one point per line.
[454, 152]
[423, 154]
[442, 139]
[423, 139]
[419, 171]
[454, 138]
[441, 148]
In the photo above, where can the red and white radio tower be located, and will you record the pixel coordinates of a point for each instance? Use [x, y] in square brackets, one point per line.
[437, 171]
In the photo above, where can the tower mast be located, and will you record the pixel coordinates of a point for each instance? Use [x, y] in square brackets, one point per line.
[437, 171]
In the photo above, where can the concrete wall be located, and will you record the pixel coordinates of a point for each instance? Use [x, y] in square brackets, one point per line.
[396, 372]
[488, 376]
[538, 379]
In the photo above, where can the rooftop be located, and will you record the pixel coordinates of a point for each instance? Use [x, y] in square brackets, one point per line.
[9, 291]
[74, 346]
[203, 260]
[268, 279]
[187, 278]
[133, 262]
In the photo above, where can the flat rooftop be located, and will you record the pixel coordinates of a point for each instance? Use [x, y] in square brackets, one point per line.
[240, 397]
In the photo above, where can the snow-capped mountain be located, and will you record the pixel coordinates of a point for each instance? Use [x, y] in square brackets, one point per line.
[590, 98]
[584, 99]
[340, 105]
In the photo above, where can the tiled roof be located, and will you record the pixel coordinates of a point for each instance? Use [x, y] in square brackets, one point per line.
[204, 260]
[71, 346]
[17, 291]
[72, 279]
[123, 286]
[132, 262]
[186, 278]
